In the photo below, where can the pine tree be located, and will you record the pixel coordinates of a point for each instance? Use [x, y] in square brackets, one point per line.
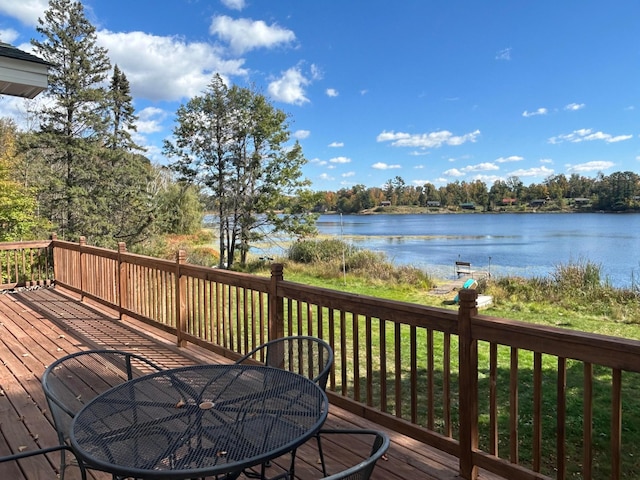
[121, 113]
[74, 126]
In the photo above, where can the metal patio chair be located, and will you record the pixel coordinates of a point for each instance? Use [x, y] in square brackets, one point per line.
[74, 380]
[308, 356]
[363, 470]
[19, 457]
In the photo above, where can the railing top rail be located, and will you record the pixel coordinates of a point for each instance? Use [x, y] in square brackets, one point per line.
[605, 350]
[25, 244]
[440, 319]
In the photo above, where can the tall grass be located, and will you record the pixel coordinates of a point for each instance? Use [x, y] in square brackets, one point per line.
[331, 258]
[575, 286]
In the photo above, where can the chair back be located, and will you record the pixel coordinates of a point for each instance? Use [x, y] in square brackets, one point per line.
[74, 380]
[364, 469]
[309, 356]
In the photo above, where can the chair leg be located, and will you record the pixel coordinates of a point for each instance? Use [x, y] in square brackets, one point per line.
[324, 467]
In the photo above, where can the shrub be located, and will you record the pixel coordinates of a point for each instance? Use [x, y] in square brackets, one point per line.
[311, 251]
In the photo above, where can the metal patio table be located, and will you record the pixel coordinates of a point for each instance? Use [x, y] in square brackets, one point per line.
[198, 421]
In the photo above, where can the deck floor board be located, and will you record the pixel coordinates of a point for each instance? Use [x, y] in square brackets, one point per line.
[41, 325]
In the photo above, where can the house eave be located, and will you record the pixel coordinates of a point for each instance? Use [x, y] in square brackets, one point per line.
[21, 74]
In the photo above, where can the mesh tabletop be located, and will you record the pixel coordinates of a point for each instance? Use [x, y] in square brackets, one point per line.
[198, 421]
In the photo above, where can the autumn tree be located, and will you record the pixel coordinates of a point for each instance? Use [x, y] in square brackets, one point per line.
[18, 220]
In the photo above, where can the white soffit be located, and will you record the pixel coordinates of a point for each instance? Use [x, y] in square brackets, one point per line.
[21, 74]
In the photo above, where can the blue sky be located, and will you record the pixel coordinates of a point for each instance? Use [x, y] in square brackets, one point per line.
[428, 91]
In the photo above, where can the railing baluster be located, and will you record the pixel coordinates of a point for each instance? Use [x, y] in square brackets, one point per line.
[413, 375]
[493, 399]
[616, 422]
[446, 385]
[513, 407]
[561, 418]
[430, 380]
[537, 411]
[587, 422]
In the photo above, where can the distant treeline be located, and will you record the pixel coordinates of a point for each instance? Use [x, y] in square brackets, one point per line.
[619, 191]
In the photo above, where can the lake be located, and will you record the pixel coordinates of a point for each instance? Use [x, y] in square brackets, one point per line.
[527, 244]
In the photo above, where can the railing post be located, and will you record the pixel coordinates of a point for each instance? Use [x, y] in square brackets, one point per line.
[181, 299]
[83, 243]
[468, 388]
[276, 303]
[122, 279]
[52, 258]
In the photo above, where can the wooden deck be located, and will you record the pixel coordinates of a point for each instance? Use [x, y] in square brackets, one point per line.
[40, 325]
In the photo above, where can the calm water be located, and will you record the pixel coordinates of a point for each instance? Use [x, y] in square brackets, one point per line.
[504, 244]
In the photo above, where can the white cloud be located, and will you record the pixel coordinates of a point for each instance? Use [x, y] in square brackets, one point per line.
[384, 166]
[587, 135]
[426, 140]
[480, 167]
[244, 35]
[325, 176]
[546, 160]
[332, 92]
[504, 54]
[289, 88]
[574, 106]
[532, 172]
[336, 144]
[454, 172]
[234, 4]
[594, 166]
[340, 160]
[150, 120]
[348, 174]
[301, 134]
[540, 111]
[512, 158]
[317, 161]
[27, 11]
[8, 35]
[488, 179]
[166, 68]
[316, 73]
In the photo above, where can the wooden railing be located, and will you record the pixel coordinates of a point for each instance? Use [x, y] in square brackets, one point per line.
[25, 264]
[451, 379]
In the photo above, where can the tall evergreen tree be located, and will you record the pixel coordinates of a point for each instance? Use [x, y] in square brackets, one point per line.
[74, 125]
[122, 118]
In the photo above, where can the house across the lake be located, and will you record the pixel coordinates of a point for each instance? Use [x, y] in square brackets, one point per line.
[538, 202]
[468, 206]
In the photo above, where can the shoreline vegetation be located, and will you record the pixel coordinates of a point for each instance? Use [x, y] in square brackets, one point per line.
[573, 296]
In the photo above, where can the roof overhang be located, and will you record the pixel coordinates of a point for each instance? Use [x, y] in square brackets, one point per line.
[21, 74]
